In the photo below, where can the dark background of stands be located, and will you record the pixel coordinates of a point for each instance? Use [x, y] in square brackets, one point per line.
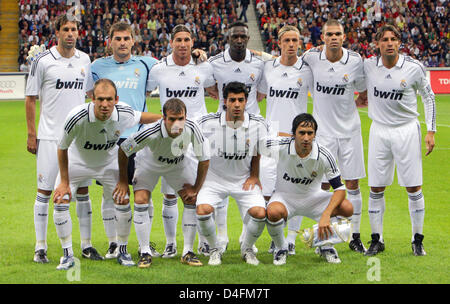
[424, 24]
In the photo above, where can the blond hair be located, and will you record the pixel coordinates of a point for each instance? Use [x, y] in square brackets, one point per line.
[287, 28]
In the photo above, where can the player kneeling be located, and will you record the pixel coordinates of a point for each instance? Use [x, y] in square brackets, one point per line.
[302, 163]
[234, 171]
[91, 131]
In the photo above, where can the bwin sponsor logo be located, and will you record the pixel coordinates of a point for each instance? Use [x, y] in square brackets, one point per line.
[297, 180]
[128, 83]
[393, 95]
[232, 156]
[189, 92]
[336, 90]
[76, 85]
[97, 147]
[171, 161]
[290, 93]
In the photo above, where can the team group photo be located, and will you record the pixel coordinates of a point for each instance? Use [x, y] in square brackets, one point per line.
[226, 142]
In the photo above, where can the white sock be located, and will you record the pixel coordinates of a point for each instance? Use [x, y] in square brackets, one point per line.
[63, 224]
[109, 220]
[416, 204]
[41, 220]
[354, 196]
[84, 213]
[253, 231]
[294, 224]
[207, 229]
[170, 219]
[189, 224]
[276, 232]
[220, 214]
[151, 211]
[123, 223]
[142, 226]
[376, 212]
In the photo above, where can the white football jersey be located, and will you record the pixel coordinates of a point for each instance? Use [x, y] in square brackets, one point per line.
[286, 89]
[61, 84]
[184, 82]
[156, 149]
[232, 149]
[392, 92]
[335, 83]
[302, 175]
[95, 141]
[248, 71]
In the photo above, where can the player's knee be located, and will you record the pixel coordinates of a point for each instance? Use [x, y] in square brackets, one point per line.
[413, 189]
[45, 192]
[204, 209]
[257, 212]
[352, 184]
[377, 189]
[346, 208]
[141, 197]
[83, 190]
[325, 186]
[275, 212]
[170, 196]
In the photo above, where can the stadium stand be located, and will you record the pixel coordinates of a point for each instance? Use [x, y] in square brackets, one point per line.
[424, 24]
[151, 20]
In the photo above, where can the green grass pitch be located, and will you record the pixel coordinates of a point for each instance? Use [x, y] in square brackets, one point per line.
[395, 265]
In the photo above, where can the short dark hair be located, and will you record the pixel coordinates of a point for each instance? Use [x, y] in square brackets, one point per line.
[178, 29]
[63, 19]
[387, 28]
[120, 26]
[234, 87]
[174, 105]
[332, 22]
[104, 81]
[304, 119]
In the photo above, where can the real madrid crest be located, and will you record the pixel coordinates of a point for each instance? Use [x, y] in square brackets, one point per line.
[82, 72]
[252, 77]
[299, 82]
[137, 73]
[345, 78]
[403, 84]
[197, 80]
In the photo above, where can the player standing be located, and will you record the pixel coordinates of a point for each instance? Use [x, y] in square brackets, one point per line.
[338, 73]
[60, 76]
[302, 163]
[162, 152]
[285, 84]
[236, 63]
[88, 150]
[130, 75]
[234, 171]
[178, 76]
[395, 136]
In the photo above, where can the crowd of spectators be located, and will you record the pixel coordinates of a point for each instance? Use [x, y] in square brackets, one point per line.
[151, 20]
[424, 24]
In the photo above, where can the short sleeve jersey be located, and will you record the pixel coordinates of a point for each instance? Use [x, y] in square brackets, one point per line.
[248, 71]
[335, 83]
[286, 89]
[184, 82]
[61, 84]
[92, 142]
[130, 78]
[232, 149]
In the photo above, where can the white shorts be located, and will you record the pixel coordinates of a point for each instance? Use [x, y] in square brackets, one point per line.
[146, 177]
[268, 174]
[390, 146]
[215, 190]
[47, 167]
[311, 205]
[190, 156]
[81, 176]
[349, 153]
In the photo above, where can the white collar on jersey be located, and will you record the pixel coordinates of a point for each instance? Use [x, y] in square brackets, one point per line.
[91, 114]
[169, 60]
[227, 57]
[57, 55]
[399, 64]
[313, 155]
[223, 119]
[343, 60]
[298, 65]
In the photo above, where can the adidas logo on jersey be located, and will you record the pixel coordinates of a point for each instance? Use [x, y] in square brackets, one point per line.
[394, 95]
[331, 70]
[238, 70]
[76, 85]
[189, 92]
[388, 76]
[97, 147]
[291, 93]
[102, 131]
[336, 90]
[284, 75]
[182, 74]
[297, 180]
